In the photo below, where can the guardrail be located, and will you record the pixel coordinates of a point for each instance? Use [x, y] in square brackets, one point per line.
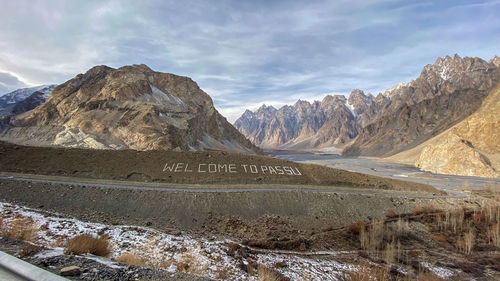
[12, 268]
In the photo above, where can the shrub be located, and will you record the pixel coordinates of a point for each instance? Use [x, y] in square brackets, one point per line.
[440, 237]
[87, 244]
[131, 259]
[20, 228]
[466, 243]
[390, 214]
[356, 228]
[367, 272]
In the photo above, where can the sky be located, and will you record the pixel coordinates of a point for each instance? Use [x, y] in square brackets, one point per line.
[245, 53]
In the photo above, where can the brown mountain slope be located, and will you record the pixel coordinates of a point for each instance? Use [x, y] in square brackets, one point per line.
[471, 148]
[130, 107]
[444, 94]
[411, 125]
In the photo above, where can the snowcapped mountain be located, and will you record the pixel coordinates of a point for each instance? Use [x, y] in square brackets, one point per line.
[18, 95]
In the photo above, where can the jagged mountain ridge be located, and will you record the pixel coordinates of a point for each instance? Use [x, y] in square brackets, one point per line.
[303, 124]
[398, 119]
[130, 107]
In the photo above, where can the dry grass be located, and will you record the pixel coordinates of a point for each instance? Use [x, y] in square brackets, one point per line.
[20, 228]
[466, 243]
[268, 274]
[87, 244]
[493, 234]
[131, 259]
[371, 237]
[390, 252]
[368, 272]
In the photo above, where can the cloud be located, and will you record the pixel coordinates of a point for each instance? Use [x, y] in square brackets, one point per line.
[247, 51]
[9, 83]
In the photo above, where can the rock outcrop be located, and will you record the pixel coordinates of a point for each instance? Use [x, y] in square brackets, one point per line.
[301, 126]
[408, 114]
[132, 107]
[470, 148]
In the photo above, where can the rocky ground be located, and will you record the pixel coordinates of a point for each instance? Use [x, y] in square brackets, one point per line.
[427, 242]
[89, 269]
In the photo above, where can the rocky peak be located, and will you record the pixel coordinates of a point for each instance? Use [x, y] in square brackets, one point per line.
[329, 99]
[495, 61]
[359, 101]
[325, 123]
[449, 68]
[265, 112]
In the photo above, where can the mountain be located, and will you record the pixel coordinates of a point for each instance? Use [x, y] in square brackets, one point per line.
[132, 107]
[404, 116]
[470, 148]
[16, 96]
[300, 126]
[23, 103]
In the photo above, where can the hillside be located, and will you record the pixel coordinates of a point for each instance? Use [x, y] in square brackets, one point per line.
[471, 148]
[132, 107]
[200, 167]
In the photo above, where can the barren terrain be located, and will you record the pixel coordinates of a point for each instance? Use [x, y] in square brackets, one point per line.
[309, 222]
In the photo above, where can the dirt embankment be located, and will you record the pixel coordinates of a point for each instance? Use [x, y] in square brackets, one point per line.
[206, 167]
[242, 215]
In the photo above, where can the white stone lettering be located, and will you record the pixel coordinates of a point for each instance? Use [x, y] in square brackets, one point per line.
[244, 167]
[288, 170]
[298, 172]
[279, 170]
[212, 168]
[202, 170]
[263, 169]
[168, 168]
[179, 167]
[253, 169]
[231, 168]
[272, 170]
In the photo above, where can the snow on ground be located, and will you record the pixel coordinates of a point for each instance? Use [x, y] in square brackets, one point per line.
[439, 271]
[205, 257]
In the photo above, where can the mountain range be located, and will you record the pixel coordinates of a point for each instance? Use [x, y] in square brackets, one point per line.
[444, 121]
[400, 119]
